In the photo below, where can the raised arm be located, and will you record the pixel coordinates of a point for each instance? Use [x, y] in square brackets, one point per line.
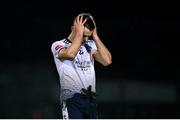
[102, 54]
[76, 37]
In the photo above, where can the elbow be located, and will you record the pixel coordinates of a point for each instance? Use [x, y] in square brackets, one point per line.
[108, 62]
[70, 55]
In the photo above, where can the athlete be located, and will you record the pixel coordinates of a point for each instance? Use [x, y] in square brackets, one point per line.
[74, 59]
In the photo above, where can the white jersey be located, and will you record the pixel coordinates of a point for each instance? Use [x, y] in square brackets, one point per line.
[77, 73]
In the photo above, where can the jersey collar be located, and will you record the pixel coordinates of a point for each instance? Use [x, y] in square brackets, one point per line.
[68, 40]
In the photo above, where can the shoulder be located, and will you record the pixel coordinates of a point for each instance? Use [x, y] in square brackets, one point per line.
[62, 42]
[57, 44]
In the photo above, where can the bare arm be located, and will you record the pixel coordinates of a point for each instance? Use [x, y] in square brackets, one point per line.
[76, 36]
[102, 54]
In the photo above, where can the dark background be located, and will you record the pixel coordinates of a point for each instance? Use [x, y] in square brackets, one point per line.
[142, 82]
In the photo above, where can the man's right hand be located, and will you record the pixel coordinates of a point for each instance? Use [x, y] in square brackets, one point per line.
[76, 37]
[78, 26]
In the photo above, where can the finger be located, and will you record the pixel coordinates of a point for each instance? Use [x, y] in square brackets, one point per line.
[77, 19]
[84, 21]
[81, 19]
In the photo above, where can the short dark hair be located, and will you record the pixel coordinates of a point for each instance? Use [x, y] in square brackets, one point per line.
[89, 22]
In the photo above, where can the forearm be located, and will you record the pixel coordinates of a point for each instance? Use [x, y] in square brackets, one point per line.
[72, 50]
[76, 43]
[76, 37]
[103, 55]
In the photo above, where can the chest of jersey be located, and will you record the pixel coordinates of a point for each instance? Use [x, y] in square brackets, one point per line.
[83, 59]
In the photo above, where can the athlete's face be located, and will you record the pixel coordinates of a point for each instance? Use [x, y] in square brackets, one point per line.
[87, 33]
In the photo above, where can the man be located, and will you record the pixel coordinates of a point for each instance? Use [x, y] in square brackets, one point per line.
[74, 58]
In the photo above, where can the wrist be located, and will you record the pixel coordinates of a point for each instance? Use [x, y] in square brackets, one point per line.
[78, 36]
